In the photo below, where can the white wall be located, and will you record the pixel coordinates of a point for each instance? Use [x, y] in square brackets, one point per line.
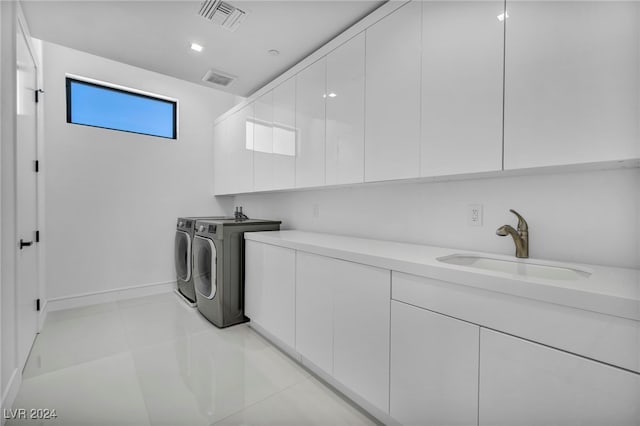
[588, 217]
[112, 198]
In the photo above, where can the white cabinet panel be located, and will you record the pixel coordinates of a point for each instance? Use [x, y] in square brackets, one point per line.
[392, 120]
[345, 113]
[262, 124]
[270, 289]
[572, 82]
[221, 154]
[523, 383]
[462, 78]
[310, 122]
[434, 368]
[362, 297]
[605, 338]
[274, 138]
[239, 153]
[314, 309]
[284, 135]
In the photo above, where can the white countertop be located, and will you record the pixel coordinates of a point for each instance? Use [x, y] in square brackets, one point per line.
[612, 291]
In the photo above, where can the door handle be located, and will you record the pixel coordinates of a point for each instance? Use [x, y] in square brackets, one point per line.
[25, 243]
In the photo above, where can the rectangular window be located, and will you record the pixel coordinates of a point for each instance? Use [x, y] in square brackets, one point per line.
[109, 107]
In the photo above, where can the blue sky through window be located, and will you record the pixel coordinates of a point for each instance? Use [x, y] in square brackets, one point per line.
[98, 106]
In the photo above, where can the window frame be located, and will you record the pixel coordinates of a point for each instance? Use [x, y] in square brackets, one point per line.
[70, 78]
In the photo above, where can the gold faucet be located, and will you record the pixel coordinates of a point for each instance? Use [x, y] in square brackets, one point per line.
[520, 237]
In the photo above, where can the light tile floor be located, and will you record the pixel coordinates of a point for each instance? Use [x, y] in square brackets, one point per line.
[156, 361]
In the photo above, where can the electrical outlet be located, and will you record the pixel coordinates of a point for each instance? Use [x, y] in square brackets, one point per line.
[474, 214]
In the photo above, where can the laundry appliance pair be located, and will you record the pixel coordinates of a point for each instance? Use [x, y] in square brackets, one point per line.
[209, 258]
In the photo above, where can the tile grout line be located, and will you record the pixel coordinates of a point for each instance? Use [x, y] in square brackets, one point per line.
[261, 400]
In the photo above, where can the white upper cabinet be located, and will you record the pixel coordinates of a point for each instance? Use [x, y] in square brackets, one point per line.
[392, 119]
[462, 77]
[310, 124]
[237, 152]
[345, 113]
[262, 124]
[284, 135]
[274, 134]
[221, 153]
[572, 82]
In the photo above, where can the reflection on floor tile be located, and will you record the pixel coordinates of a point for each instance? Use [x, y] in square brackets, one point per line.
[156, 361]
[307, 403]
[71, 340]
[101, 392]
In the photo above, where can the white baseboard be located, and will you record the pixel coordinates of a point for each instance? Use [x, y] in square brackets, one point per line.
[42, 318]
[276, 341]
[9, 395]
[86, 299]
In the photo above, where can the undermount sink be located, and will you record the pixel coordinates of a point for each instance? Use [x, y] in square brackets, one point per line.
[520, 267]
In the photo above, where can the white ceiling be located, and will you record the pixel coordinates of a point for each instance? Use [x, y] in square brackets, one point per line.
[156, 35]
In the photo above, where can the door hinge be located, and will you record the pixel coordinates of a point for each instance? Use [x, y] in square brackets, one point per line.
[37, 236]
[37, 94]
[36, 166]
[37, 304]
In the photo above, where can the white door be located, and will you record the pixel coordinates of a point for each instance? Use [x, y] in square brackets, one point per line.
[27, 280]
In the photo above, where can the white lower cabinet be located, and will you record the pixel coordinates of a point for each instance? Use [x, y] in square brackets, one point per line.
[524, 383]
[409, 364]
[342, 323]
[434, 368]
[314, 309]
[270, 289]
[362, 296]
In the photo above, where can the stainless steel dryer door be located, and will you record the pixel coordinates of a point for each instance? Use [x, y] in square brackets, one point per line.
[183, 255]
[204, 267]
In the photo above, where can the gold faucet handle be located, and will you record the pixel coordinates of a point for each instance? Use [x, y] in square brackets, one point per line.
[522, 224]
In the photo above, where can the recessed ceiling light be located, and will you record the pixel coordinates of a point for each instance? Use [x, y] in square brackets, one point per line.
[273, 52]
[332, 95]
[196, 47]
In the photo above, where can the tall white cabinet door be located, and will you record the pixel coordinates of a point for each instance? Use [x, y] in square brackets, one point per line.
[239, 172]
[284, 135]
[314, 308]
[362, 295]
[462, 78]
[262, 124]
[310, 123]
[523, 383]
[345, 113]
[270, 289]
[572, 82]
[392, 118]
[221, 154]
[434, 368]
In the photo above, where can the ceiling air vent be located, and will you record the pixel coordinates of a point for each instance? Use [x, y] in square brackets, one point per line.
[218, 78]
[222, 13]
